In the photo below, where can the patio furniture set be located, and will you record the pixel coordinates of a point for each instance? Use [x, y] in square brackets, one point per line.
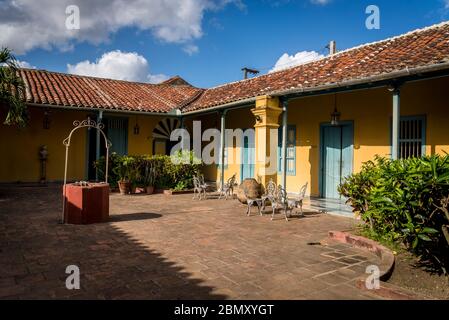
[275, 195]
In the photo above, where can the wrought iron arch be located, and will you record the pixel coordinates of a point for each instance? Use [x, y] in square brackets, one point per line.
[88, 123]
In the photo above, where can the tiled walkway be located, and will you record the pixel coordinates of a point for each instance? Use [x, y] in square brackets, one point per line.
[170, 247]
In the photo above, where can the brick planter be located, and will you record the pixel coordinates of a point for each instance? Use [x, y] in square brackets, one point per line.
[87, 204]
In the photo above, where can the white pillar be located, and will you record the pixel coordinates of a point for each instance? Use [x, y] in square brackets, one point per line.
[284, 143]
[97, 145]
[222, 147]
[396, 123]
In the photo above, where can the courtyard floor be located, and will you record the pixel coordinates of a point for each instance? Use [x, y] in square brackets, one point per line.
[172, 247]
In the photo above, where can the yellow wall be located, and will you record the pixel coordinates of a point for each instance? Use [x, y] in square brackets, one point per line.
[241, 118]
[19, 161]
[370, 111]
[143, 142]
[237, 119]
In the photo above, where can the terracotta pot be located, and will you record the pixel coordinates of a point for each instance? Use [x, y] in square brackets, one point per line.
[252, 186]
[149, 189]
[124, 187]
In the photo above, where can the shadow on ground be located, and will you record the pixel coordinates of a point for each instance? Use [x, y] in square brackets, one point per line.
[35, 251]
[134, 216]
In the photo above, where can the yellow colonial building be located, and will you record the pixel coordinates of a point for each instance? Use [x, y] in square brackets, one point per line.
[317, 122]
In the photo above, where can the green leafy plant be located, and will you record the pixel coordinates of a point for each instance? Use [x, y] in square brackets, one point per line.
[401, 201]
[100, 165]
[124, 169]
[150, 173]
[12, 89]
[164, 172]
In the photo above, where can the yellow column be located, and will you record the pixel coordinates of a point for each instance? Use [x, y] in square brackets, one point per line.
[266, 113]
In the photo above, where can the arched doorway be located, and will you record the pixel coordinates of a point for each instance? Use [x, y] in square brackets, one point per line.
[161, 135]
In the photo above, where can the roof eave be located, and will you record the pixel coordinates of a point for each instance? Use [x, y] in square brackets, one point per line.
[404, 75]
[171, 113]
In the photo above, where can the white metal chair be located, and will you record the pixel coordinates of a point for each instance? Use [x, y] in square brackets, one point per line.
[251, 202]
[298, 202]
[199, 187]
[228, 188]
[270, 193]
[280, 202]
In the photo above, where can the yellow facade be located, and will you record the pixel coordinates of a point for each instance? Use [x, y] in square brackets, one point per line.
[20, 146]
[20, 162]
[143, 142]
[369, 110]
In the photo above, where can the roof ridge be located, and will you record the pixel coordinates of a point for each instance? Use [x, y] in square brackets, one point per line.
[192, 99]
[101, 78]
[409, 33]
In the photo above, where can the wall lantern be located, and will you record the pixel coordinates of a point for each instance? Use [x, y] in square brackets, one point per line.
[46, 121]
[335, 116]
[136, 128]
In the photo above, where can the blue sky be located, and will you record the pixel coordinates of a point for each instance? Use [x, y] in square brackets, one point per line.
[222, 37]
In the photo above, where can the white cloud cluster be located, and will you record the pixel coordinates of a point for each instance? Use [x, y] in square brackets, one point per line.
[28, 24]
[287, 61]
[321, 2]
[118, 65]
[25, 64]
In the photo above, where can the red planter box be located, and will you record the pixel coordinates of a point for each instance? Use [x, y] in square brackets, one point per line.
[87, 204]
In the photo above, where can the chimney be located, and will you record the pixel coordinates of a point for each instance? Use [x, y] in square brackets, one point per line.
[248, 70]
[332, 47]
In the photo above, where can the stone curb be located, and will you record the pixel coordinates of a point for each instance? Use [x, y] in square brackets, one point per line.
[385, 255]
[386, 266]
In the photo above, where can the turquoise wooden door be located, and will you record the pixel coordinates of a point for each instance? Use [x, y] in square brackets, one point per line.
[117, 132]
[248, 159]
[336, 157]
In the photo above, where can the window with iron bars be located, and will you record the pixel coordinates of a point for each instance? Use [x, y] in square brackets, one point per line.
[412, 137]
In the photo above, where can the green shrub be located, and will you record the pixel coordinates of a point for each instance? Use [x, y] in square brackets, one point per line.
[403, 201]
[164, 172]
[100, 165]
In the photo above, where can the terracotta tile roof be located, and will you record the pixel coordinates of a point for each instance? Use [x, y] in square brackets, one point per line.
[429, 46]
[420, 48]
[65, 90]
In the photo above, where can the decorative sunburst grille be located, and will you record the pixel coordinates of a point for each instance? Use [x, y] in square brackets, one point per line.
[165, 127]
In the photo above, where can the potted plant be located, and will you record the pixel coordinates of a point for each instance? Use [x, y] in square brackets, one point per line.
[134, 174]
[123, 172]
[149, 177]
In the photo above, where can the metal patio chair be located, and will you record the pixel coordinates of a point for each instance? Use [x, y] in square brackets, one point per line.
[281, 202]
[228, 188]
[199, 187]
[251, 202]
[298, 202]
[270, 193]
[203, 185]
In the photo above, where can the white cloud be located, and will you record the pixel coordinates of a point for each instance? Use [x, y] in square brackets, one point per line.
[191, 49]
[29, 24]
[118, 65]
[25, 64]
[320, 2]
[157, 78]
[287, 61]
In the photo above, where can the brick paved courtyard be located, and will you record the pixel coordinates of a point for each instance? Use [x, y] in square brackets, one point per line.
[170, 247]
